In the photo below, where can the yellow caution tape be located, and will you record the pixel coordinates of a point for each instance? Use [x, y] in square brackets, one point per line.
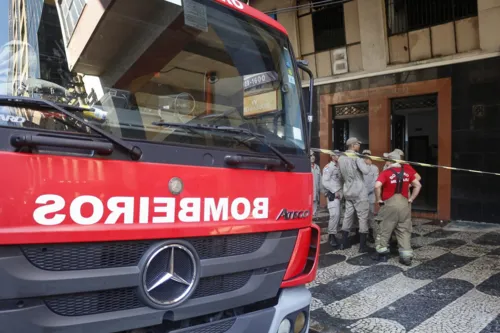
[383, 159]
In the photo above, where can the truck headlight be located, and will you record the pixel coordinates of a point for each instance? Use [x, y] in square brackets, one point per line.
[300, 323]
[285, 326]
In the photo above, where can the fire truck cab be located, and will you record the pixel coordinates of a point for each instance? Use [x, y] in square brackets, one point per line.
[174, 195]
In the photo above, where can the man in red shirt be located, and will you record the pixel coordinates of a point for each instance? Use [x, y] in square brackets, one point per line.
[392, 194]
[407, 167]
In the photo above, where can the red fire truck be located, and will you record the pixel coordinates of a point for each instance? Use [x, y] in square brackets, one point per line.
[180, 201]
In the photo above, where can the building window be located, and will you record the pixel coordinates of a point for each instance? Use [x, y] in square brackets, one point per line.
[274, 16]
[408, 15]
[70, 11]
[328, 27]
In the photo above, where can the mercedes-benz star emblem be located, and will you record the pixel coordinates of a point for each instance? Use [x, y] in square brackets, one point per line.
[175, 185]
[170, 275]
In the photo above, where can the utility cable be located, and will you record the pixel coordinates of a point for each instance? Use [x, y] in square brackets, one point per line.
[310, 5]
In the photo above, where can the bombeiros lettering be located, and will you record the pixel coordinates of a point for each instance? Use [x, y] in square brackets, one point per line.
[233, 3]
[85, 210]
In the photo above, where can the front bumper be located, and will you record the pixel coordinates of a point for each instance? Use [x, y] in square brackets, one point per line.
[38, 319]
[291, 301]
[94, 287]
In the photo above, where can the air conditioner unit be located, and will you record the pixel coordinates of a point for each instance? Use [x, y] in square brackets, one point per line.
[339, 61]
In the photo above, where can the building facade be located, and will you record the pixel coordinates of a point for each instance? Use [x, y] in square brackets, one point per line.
[36, 48]
[107, 40]
[24, 19]
[51, 51]
[422, 76]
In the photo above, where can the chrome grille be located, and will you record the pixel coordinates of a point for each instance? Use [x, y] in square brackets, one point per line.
[220, 284]
[126, 298]
[94, 303]
[70, 257]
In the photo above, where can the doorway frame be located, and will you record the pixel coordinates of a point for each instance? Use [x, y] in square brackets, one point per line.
[379, 126]
[425, 190]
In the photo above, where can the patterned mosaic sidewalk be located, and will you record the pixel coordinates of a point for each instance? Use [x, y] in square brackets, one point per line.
[453, 286]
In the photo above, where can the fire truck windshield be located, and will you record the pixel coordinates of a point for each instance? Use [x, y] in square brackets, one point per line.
[199, 63]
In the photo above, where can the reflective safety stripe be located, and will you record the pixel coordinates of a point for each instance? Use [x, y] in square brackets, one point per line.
[382, 250]
[406, 253]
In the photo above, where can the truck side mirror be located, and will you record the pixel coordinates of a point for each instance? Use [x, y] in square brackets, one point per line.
[302, 64]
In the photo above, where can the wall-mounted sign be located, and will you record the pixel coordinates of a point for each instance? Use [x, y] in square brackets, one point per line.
[260, 103]
[195, 15]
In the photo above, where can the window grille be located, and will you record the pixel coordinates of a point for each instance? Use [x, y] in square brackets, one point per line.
[408, 15]
[349, 110]
[328, 27]
[414, 102]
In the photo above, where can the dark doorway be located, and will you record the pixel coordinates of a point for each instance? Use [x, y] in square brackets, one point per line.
[350, 120]
[340, 133]
[415, 131]
[399, 132]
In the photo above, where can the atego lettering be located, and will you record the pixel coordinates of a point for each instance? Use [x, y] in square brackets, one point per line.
[89, 210]
[292, 215]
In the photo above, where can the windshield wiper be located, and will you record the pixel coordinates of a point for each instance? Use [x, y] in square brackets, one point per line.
[217, 116]
[261, 138]
[134, 151]
[228, 129]
[74, 107]
[187, 128]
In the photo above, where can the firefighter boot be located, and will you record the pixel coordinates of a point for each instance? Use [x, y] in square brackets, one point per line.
[405, 261]
[357, 237]
[345, 241]
[363, 248]
[393, 245]
[371, 239]
[382, 257]
[332, 239]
